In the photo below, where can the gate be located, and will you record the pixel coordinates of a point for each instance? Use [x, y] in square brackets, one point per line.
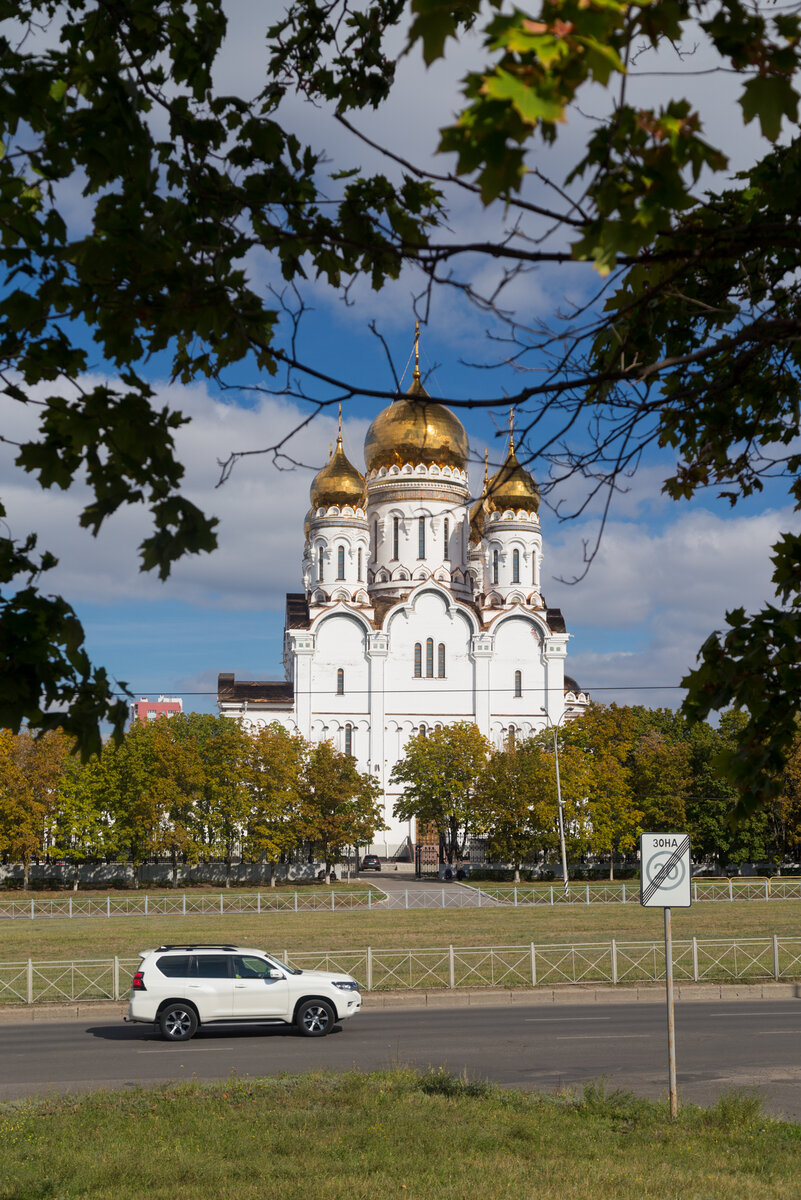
[426, 860]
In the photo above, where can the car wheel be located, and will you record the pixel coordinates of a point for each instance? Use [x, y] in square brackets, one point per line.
[315, 1018]
[178, 1022]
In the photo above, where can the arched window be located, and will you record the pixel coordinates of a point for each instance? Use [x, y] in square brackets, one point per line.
[446, 537]
[418, 660]
[422, 731]
[341, 562]
[349, 740]
[359, 565]
[441, 660]
[518, 684]
[421, 537]
[533, 568]
[429, 658]
[495, 566]
[515, 566]
[340, 681]
[320, 564]
[375, 539]
[511, 737]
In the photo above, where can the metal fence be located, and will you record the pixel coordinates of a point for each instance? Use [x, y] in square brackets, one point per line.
[187, 904]
[331, 900]
[757, 888]
[443, 967]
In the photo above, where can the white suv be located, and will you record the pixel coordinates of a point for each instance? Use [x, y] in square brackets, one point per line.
[183, 987]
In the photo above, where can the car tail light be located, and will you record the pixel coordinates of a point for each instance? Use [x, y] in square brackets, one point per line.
[138, 982]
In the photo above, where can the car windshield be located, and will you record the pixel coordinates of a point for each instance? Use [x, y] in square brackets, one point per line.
[274, 962]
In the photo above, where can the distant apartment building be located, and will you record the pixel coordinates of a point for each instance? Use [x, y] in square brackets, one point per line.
[145, 710]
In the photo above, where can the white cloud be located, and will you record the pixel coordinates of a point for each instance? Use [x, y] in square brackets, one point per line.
[261, 510]
[651, 598]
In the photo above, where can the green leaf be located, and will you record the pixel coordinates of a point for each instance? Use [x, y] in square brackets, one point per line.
[532, 106]
[769, 97]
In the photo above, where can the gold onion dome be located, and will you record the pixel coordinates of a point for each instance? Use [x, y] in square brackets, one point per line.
[513, 487]
[416, 429]
[339, 482]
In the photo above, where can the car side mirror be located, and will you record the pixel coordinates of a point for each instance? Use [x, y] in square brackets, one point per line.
[274, 973]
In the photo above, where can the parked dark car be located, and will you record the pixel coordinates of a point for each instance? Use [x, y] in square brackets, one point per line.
[370, 862]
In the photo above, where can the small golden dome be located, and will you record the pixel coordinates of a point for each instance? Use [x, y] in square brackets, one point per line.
[307, 523]
[338, 482]
[512, 487]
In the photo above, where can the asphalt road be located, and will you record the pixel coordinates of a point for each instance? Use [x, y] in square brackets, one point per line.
[750, 1044]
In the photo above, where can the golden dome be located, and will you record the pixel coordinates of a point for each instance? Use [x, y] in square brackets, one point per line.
[415, 429]
[338, 482]
[512, 487]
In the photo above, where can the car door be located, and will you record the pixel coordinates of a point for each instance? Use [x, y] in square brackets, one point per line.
[256, 993]
[211, 986]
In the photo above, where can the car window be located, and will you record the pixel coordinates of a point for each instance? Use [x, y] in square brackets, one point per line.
[246, 966]
[212, 966]
[174, 966]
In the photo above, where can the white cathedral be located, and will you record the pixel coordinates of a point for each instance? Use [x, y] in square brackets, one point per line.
[418, 608]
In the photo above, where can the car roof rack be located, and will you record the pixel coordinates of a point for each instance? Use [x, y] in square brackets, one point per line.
[196, 946]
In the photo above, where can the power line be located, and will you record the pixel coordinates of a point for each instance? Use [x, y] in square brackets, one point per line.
[623, 687]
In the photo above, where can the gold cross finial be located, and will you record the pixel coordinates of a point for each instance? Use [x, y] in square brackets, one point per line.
[417, 351]
[486, 467]
[339, 430]
[511, 429]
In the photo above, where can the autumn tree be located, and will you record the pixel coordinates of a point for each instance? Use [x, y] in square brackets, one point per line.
[222, 798]
[31, 772]
[605, 736]
[339, 805]
[160, 779]
[84, 819]
[274, 762]
[516, 804]
[440, 773]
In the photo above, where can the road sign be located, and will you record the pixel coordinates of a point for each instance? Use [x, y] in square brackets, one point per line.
[665, 884]
[665, 870]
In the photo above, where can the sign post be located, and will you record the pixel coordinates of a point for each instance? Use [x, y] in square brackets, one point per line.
[665, 883]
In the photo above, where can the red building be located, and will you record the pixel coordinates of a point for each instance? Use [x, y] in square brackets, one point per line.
[145, 710]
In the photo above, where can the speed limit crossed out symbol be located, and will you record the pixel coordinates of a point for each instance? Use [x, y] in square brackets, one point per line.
[665, 870]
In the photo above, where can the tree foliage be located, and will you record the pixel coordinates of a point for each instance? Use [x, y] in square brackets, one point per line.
[186, 789]
[516, 804]
[273, 764]
[338, 804]
[441, 773]
[689, 343]
[31, 770]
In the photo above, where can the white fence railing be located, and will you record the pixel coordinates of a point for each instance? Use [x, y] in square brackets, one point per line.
[530, 965]
[416, 897]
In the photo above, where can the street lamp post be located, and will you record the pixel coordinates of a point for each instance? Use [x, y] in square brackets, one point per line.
[554, 728]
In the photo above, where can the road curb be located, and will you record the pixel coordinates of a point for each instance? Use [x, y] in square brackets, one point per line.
[458, 998]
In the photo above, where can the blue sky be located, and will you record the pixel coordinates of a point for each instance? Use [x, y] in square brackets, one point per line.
[662, 580]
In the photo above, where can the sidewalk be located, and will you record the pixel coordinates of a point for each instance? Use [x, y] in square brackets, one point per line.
[442, 998]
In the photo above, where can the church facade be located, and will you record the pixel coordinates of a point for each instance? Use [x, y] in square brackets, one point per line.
[418, 607]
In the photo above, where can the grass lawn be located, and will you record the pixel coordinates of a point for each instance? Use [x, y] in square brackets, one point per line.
[390, 1134]
[98, 937]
